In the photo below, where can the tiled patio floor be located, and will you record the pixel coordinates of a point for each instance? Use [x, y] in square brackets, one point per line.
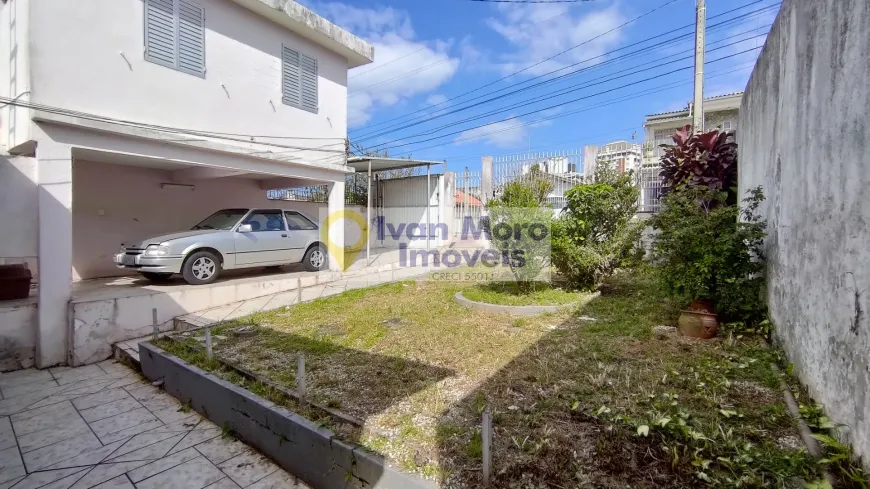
[103, 426]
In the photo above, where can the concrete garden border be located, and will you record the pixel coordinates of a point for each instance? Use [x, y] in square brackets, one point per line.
[512, 310]
[312, 453]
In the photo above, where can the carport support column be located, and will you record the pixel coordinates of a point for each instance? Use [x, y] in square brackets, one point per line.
[54, 173]
[335, 230]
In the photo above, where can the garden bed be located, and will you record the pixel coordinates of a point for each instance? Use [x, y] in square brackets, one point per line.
[575, 402]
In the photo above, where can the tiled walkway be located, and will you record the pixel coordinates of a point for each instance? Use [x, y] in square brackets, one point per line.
[103, 426]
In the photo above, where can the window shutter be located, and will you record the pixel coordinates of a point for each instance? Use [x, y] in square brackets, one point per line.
[309, 83]
[290, 78]
[191, 38]
[160, 32]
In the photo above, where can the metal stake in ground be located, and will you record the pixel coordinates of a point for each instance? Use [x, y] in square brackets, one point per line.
[486, 446]
[154, 322]
[208, 350]
[300, 376]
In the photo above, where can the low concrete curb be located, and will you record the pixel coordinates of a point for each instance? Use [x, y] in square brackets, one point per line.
[298, 445]
[512, 310]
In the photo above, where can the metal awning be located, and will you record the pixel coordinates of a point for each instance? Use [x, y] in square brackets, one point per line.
[361, 163]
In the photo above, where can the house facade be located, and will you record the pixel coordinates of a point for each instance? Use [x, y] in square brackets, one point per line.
[720, 112]
[121, 119]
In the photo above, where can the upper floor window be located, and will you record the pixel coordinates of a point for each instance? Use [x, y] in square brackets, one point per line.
[729, 125]
[299, 80]
[175, 35]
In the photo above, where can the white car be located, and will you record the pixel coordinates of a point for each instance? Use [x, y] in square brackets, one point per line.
[229, 239]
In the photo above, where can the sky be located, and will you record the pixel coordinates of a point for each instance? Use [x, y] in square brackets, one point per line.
[438, 65]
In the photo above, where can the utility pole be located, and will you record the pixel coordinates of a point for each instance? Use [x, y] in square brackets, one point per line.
[700, 37]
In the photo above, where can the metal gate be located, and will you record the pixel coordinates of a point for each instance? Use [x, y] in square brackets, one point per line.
[468, 201]
[560, 168]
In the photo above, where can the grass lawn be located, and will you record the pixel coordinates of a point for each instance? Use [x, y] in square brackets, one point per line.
[576, 403]
[509, 294]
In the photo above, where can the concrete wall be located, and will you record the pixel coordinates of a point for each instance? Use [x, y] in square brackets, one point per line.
[19, 212]
[77, 63]
[117, 203]
[17, 334]
[805, 136]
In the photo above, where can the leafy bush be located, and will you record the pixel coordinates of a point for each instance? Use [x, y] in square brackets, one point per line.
[595, 234]
[521, 207]
[705, 251]
[707, 160]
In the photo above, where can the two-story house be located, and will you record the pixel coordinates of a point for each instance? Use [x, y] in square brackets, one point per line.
[720, 112]
[129, 118]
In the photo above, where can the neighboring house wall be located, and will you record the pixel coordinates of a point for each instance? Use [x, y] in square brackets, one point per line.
[117, 203]
[805, 137]
[80, 53]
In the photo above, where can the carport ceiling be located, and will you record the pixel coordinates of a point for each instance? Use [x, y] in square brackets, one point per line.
[361, 163]
[193, 171]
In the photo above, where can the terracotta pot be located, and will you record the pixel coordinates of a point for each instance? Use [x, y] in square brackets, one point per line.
[14, 282]
[697, 324]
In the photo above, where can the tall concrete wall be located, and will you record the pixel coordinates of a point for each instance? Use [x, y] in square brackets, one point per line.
[805, 136]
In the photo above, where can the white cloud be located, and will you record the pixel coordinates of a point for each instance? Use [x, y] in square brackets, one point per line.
[404, 67]
[538, 31]
[436, 99]
[503, 134]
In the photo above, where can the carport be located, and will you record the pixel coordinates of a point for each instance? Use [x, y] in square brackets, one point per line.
[112, 183]
[407, 200]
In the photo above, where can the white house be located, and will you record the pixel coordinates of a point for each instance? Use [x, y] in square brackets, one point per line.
[124, 118]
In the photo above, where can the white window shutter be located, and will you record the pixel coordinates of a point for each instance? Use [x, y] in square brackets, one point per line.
[191, 38]
[290, 78]
[160, 32]
[309, 83]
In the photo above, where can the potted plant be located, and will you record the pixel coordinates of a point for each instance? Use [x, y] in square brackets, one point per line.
[709, 249]
[14, 281]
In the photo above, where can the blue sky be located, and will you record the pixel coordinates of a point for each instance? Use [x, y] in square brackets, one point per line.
[427, 52]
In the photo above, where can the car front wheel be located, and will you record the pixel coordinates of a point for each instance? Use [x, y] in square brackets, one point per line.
[315, 259]
[202, 267]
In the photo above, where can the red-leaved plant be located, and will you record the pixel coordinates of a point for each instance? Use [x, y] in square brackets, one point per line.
[707, 160]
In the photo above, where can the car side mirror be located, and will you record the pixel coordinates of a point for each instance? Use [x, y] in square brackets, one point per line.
[245, 228]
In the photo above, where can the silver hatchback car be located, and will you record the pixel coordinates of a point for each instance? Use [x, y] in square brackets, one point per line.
[229, 239]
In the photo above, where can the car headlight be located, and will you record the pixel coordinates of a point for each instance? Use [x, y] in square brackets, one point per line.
[157, 250]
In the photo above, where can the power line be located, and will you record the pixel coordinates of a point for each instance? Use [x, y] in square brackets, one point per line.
[559, 104]
[563, 52]
[405, 75]
[636, 95]
[430, 117]
[385, 64]
[558, 54]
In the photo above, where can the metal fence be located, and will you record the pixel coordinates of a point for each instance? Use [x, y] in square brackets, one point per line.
[559, 168]
[468, 201]
[650, 184]
[316, 193]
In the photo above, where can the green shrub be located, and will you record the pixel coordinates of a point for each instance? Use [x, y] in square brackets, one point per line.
[595, 234]
[704, 250]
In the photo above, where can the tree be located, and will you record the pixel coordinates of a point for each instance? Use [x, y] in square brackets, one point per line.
[706, 160]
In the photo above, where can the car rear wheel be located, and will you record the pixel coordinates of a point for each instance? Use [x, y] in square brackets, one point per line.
[156, 277]
[315, 259]
[202, 267]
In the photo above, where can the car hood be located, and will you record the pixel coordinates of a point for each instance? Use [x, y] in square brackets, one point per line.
[169, 237]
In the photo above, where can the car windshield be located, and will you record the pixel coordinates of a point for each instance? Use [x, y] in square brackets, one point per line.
[224, 219]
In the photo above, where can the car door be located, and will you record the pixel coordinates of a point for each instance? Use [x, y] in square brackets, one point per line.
[301, 232]
[268, 241]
